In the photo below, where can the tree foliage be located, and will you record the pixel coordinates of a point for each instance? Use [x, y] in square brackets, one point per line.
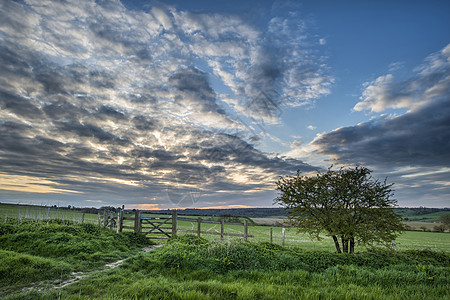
[348, 204]
[445, 219]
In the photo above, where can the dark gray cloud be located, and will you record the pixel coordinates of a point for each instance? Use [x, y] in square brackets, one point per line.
[19, 105]
[419, 138]
[192, 89]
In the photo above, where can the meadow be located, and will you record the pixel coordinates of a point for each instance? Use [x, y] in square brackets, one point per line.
[63, 259]
[42, 212]
[189, 267]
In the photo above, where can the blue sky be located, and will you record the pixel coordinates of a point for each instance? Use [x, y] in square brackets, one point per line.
[178, 104]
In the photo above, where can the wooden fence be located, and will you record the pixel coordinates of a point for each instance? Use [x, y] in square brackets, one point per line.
[167, 227]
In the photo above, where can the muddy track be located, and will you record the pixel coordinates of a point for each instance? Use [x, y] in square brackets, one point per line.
[76, 276]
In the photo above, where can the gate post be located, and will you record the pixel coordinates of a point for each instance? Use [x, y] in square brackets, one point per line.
[245, 230]
[120, 220]
[199, 224]
[222, 228]
[271, 240]
[137, 221]
[174, 223]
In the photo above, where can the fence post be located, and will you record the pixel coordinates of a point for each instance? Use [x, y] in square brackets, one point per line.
[174, 223]
[271, 239]
[222, 228]
[283, 235]
[99, 220]
[105, 217]
[137, 221]
[82, 218]
[120, 220]
[199, 222]
[245, 230]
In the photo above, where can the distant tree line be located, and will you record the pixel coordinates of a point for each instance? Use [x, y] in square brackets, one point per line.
[230, 212]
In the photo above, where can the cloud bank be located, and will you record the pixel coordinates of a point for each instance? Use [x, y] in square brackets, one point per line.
[413, 146]
[98, 101]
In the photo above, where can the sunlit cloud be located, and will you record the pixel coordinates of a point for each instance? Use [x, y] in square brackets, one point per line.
[29, 184]
[108, 102]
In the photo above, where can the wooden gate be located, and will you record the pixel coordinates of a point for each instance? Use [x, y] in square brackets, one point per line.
[162, 227]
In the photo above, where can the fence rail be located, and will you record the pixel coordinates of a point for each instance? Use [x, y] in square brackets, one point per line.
[154, 225]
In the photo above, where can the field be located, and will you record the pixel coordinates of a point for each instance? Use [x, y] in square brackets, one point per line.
[41, 213]
[57, 260]
[41, 258]
[407, 241]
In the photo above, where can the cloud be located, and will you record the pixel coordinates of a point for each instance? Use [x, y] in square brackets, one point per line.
[265, 70]
[431, 83]
[416, 140]
[419, 138]
[103, 102]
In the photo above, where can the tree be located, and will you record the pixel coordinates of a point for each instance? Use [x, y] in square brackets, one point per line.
[348, 204]
[445, 220]
[439, 228]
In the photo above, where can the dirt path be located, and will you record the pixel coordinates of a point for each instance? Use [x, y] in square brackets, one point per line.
[76, 276]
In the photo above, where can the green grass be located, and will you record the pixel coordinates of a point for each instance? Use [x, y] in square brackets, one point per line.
[42, 253]
[406, 241]
[194, 268]
[18, 270]
[52, 249]
[437, 241]
[43, 213]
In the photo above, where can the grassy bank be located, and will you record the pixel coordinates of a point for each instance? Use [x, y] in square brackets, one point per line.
[33, 251]
[189, 267]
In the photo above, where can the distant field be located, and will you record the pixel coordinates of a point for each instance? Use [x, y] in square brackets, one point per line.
[419, 225]
[41, 212]
[269, 221]
[433, 217]
[422, 214]
[408, 240]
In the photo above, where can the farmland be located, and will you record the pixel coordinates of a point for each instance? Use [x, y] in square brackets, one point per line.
[41, 258]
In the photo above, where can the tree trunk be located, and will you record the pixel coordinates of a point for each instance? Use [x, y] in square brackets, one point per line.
[344, 244]
[336, 243]
[352, 245]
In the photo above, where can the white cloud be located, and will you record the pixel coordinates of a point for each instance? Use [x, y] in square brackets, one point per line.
[431, 82]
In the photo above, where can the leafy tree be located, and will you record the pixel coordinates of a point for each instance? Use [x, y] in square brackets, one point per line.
[439, 228]
[348, 204]
[445, 220]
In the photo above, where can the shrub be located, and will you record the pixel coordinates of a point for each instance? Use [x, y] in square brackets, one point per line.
[439, 228]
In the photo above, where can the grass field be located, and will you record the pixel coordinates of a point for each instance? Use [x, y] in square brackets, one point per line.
[189, 267]
[41, 258]
[408, 240]
[41, 213]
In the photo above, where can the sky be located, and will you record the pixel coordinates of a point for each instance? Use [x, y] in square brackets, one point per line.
[205, 104]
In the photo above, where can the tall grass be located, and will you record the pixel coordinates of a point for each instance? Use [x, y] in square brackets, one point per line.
[33, 250]
[189, 267]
